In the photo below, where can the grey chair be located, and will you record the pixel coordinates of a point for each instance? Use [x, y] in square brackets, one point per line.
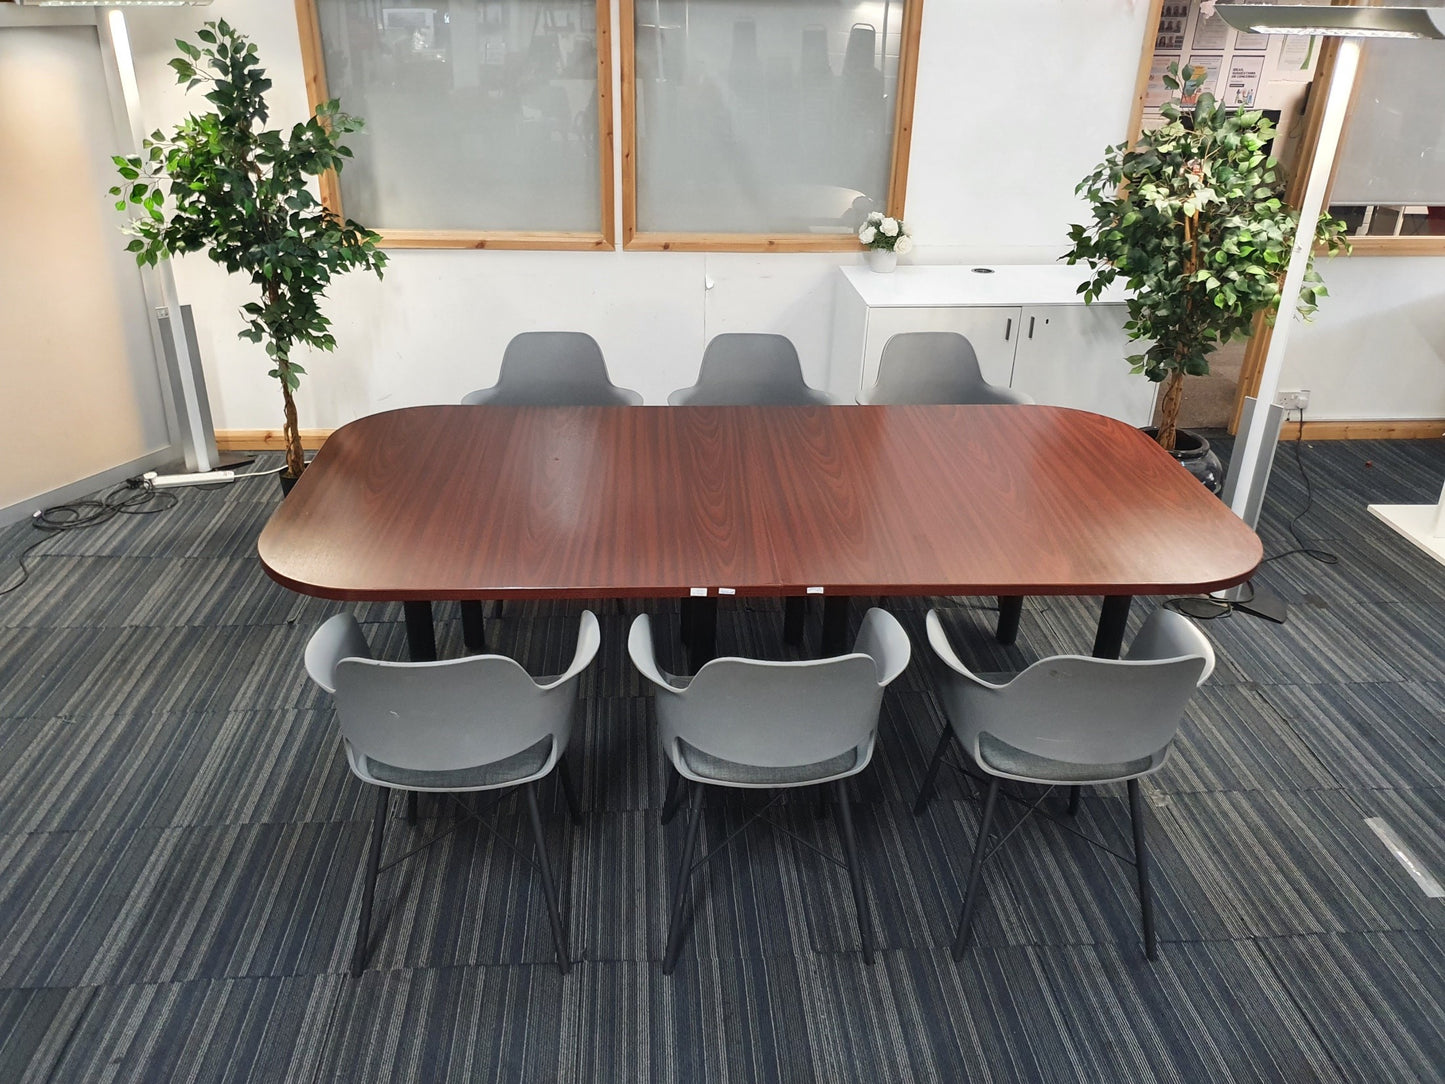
[748, 369]
[1073, 721]
[920, 367]
[744, 369]
[553, 368]
[924, 367]
[479, 723]
[750, 724]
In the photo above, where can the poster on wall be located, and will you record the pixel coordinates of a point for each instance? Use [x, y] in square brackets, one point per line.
[1244, 75]
[1173, 17]
[1296, 56]
[1156, 93]
[1211, 34]
[1212, 66]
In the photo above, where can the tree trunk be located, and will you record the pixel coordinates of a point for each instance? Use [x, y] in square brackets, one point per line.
[295, 459]
[1169, 412]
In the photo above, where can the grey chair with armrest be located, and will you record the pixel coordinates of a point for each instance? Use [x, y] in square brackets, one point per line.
[544, 368]
[1070, 720]
[753, 724]
[478, 723]
[923, 367]
[749, 369]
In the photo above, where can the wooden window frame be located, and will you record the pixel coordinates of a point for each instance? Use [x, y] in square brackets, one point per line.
[602, 240]
[634, 240]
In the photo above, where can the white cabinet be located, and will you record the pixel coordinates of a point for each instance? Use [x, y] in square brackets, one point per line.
[1073, 355]
[1028, 325]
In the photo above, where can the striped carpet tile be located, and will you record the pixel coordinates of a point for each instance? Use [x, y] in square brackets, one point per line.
[181, 842]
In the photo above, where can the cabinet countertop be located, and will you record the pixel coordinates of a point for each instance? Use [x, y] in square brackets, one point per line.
[938, 285]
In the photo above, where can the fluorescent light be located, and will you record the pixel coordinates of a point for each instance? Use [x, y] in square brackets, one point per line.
[1334, 31]
[1326, 20]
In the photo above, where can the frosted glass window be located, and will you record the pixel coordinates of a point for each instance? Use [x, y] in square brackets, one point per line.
[1390, 178]
[764, 116]
[480, 114]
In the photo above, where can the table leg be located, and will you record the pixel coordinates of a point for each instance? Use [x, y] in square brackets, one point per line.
[702, 643]
[835, 625]
[474, 627]
[1113, 618]
[1010, 609]
[421, 635]
[795, 612]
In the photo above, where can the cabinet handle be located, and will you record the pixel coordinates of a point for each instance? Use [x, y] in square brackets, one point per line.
[1031, 327]
[1008, 329]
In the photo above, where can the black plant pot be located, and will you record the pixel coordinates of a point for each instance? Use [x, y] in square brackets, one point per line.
[287, 481]
[1196, 456]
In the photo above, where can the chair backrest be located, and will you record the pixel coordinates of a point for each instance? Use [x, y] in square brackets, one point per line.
[934, 367]
[779, 714]
[743, 369]
[553, 368]
[1083, 710]
[457, 713]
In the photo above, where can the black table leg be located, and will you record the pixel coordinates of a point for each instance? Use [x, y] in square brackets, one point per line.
[795, 612]
[835, 625]
[1113, 618]
[421, 634]
[702, 644]
[1010, 609]
[474, 627]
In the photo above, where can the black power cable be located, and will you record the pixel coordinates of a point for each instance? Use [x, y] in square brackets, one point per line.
[1206, 607]
[133, 497]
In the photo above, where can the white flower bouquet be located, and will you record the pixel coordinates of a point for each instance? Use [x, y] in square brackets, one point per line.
[879, 231]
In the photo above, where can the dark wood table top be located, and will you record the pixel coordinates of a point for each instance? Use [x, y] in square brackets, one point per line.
[456, 502]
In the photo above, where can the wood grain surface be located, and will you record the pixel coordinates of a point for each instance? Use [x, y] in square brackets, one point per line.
[456, 502]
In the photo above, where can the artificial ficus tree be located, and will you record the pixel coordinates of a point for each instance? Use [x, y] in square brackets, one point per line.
[1192, 215]
[224, 183]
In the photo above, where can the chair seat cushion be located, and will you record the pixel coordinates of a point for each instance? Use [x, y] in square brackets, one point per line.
[498, 773]
[1001, 757]
[707, 766]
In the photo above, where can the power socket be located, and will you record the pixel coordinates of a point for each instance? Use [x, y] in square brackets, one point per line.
[1294, 400]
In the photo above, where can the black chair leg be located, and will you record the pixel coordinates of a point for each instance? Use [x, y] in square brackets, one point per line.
[675, 793]
[368, 890]
[975, 873]
[412, 805]
[569, 790]
[1074, 800]
[821, 809]
[925, 792]
[844, 813]
[684, 869]
[1010, 609]
[549, 890]
[474, 627]
[1141, 867]
[795, 612]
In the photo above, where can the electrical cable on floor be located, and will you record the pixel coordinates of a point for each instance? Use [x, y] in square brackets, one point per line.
[133, 497]
[1206, 607]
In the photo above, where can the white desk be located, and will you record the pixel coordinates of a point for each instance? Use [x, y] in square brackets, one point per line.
[1027, 323]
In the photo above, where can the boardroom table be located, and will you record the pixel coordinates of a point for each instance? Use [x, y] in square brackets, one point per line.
[433, 503]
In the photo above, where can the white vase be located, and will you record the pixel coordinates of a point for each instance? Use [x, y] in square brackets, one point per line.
[882, 260]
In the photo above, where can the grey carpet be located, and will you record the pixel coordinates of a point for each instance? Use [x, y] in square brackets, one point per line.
[181, 846]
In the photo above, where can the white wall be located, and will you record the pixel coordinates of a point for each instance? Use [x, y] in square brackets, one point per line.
[80, 391]
[1016, 101]
[1377, 347]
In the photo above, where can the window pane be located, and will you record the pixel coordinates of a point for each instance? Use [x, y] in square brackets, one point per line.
[755, 116]
[1390, 180]
[480, 114]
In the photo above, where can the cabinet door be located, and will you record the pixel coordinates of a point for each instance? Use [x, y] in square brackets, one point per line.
[1073, 356]
[992, 332]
